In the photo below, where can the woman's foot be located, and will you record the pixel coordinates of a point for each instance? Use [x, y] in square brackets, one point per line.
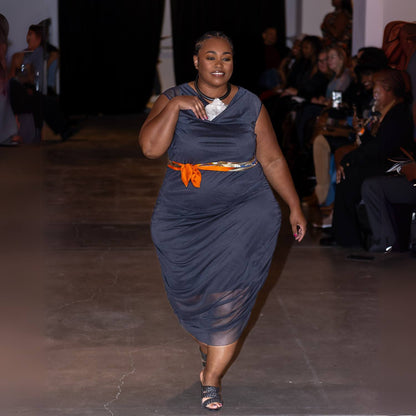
[210, 395]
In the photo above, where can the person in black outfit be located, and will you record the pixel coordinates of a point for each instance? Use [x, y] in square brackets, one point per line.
[360, 92]
[379, 194]
[394, 130]
[304, 80]
[273, 53]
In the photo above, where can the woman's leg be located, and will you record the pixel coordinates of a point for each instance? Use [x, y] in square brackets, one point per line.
[218, 360]
[321, 160]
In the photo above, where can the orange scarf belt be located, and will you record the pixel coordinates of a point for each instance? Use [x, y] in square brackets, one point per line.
[192, 173]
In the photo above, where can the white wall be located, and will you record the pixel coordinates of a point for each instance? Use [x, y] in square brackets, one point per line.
[23, 13]
[374, 23]
[293, 18]
[313, 12]
[358, 25]
[368, 31]
[399, 10]
[166, 66]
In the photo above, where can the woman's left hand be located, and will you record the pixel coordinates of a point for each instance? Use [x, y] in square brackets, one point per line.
[298, 223]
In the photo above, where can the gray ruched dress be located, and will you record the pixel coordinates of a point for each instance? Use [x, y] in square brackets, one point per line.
[215, 243]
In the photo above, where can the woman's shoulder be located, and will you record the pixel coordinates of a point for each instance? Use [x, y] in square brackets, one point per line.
[248, 95]
[347, 74]
[249, 100]
[344, 80]
[176, 90]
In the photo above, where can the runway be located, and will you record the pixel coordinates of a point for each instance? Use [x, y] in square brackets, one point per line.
[329, 335]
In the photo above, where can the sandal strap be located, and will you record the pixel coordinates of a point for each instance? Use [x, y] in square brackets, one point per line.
[203, 358]
[210, 392]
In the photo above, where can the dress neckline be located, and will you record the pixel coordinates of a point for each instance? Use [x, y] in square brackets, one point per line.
[207, 102]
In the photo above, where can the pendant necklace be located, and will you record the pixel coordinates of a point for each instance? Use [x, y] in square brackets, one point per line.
[200, 93]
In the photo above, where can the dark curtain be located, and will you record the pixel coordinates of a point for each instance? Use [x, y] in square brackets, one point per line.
[109, 51]
[242, 21]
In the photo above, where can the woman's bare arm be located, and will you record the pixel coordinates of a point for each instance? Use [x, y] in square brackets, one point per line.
[157, 131]
[277, 172]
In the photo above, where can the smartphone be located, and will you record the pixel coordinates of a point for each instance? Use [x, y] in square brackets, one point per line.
[336, 99]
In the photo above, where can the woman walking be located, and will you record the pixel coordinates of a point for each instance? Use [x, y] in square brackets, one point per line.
[216, 220]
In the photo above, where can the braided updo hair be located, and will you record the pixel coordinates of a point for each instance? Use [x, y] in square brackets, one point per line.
[210, 35]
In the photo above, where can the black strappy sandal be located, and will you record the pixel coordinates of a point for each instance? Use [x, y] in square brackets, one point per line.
[203, 358]
[213, 395]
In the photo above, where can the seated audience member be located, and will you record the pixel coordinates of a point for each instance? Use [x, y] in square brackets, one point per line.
[336, 26]
[358, 101]
[316, 81]
[273, 53]
[51, 56]
[306, 71]
[323, 64]
[286, 66]
[304, 80]
[26, 75]
[52, 53]
[341, 79]
[26, 88]
[393, 130]
[379, 194]
[360, 92]
[8, 126]
[338, 63]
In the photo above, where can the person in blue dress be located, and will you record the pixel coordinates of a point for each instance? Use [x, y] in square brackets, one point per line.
[216, 220]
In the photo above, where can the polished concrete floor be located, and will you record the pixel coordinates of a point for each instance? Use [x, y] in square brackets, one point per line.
[330, 335]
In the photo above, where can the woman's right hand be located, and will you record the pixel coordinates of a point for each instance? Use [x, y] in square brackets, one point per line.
[158, 129]
[340, 173]
[191, 102]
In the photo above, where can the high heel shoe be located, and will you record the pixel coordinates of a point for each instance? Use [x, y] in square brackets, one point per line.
[213, 395]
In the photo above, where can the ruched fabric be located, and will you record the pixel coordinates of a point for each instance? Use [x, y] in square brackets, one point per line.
[215, 242]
